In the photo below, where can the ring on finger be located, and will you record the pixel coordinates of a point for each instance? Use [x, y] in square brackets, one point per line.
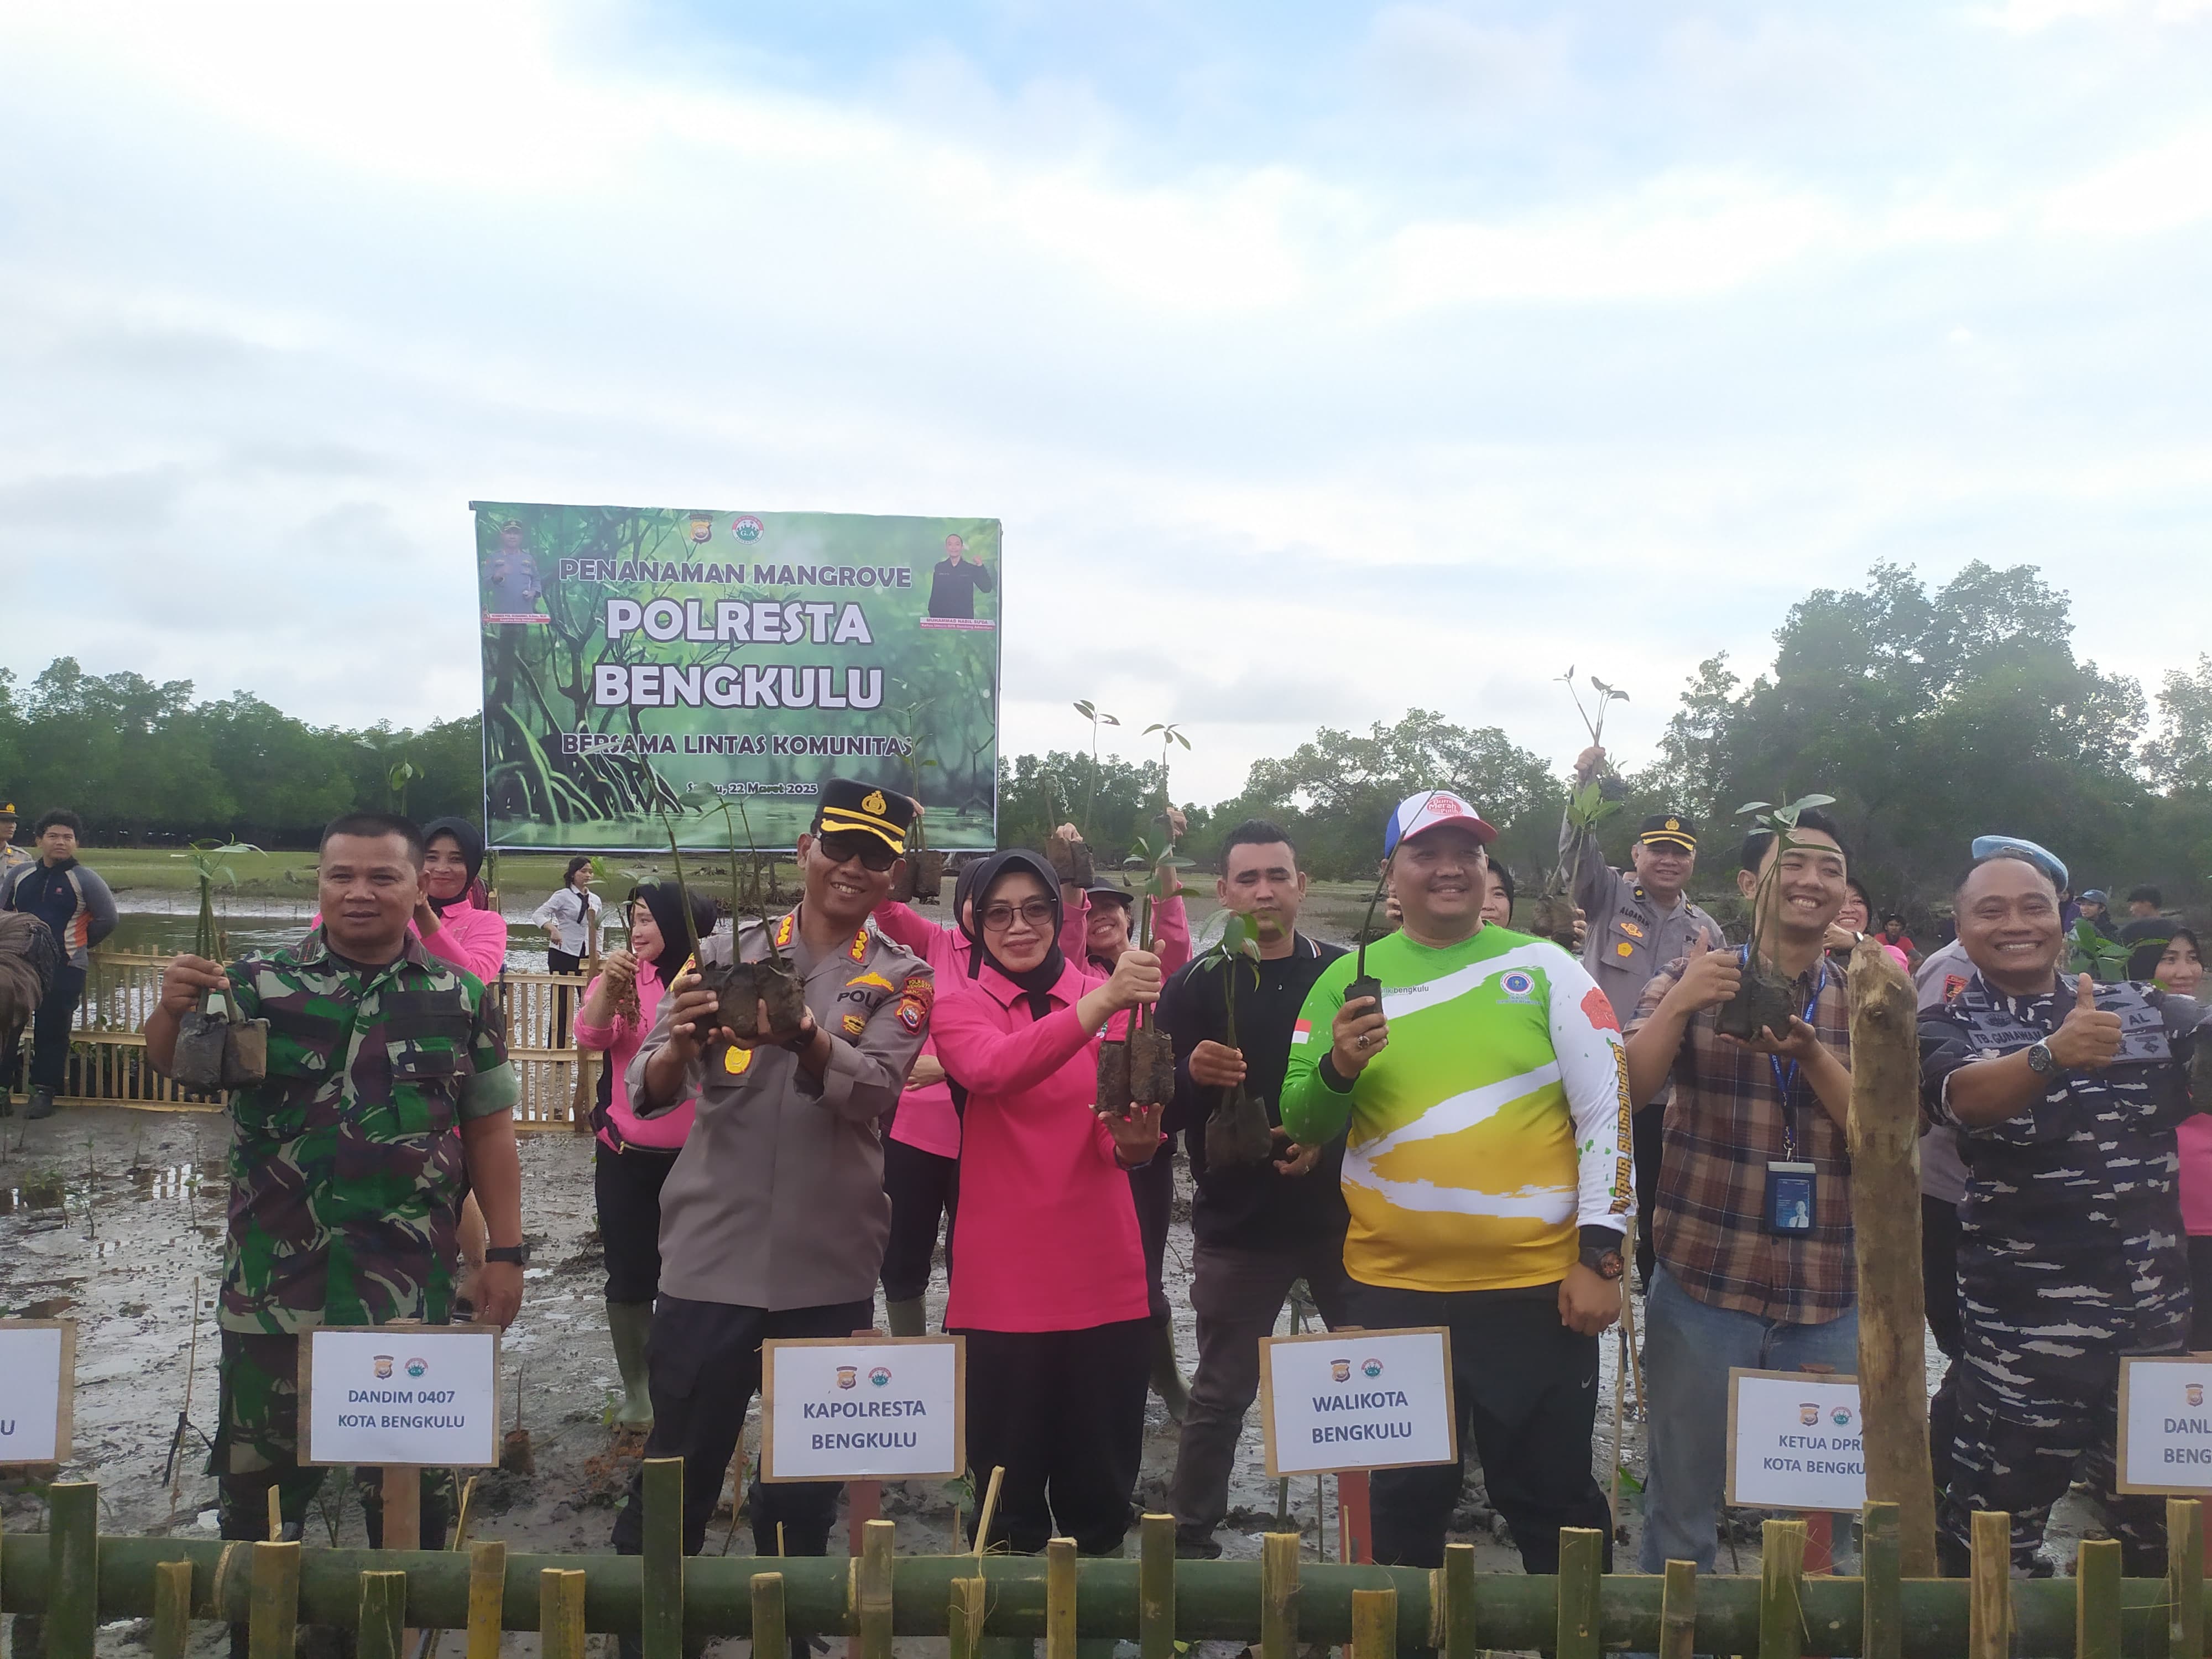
[1362, 1042]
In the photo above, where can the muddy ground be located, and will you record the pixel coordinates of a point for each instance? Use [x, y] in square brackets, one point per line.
[113, 1217]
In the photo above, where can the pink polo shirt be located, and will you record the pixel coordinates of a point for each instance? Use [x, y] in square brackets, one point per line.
[1047, 1234]
[618, 1040]
[2193, 1140]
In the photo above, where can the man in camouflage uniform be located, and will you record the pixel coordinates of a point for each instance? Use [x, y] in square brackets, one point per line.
[387, 1098]
[2071, 1254]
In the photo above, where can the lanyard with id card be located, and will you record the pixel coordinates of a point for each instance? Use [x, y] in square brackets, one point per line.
[1793, 1184]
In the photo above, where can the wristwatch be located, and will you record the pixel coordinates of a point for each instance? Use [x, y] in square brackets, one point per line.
[2039, 1060]
[1603, 1260]
[518, 1254]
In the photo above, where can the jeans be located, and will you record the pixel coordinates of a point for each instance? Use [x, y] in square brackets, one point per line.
[1688, 1350]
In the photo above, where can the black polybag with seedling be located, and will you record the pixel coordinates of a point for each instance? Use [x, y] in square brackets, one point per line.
[1138, 1069]
[1237, 1130]
[1589, 806]
[741, 987]
[215, 1051]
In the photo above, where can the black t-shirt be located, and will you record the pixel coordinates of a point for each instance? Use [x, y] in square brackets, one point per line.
[952, 589]
[1251, 1206]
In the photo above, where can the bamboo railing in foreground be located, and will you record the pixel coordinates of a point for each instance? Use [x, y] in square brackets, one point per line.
[77, 1579]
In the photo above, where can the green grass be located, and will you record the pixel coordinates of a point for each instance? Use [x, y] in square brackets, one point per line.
[292, 875]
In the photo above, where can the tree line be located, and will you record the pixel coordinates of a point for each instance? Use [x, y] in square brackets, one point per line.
[1931, 715]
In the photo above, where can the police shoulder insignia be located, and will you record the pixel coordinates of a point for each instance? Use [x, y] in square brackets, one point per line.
[1953, 984]
[860, 951]
[920, 986]
[912, 1013]
[855, 1023]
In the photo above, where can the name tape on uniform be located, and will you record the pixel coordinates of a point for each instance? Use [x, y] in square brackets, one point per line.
[2166, 1424]
[38, 1377]
[1358, 1400]
[865, 1409]
[400, 1393]
[1796, 1441]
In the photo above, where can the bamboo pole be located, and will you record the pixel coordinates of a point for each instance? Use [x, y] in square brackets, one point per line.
[1215, 1600]
[1279, 1596]
[1582, 1565]
[561, 1614]
[660, 1624]
[872, 1590]
[273, 1601]
[383, 1610]
[1781, 1586]
[1989, 1633]
[173, 1609]
[73, 1593]
[1885, 1233]
[1458, 1621]
[1156, 1587]
[487, 1594]
[2184, 1578]
[1374, 1624]
[766, 1589]
[1881, 1627]
[2097, 1599]
[1678, 1611]
[1060, 1599]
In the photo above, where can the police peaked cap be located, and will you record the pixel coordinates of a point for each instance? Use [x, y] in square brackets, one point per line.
[844, 805]
[1678, 827]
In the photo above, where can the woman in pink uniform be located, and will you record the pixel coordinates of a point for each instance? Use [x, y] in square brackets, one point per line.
[921, 1154]
[634, 1154]
[1049, 1277]
[452, 921]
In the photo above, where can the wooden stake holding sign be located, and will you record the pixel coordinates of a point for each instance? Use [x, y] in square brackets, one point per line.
[38, 1384]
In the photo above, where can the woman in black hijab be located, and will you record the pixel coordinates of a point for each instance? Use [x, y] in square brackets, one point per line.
[447, 918]
[1048, 1283]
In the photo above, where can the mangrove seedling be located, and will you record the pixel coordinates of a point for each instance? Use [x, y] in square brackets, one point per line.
[1138, 1069]
[214, 1050]
[1236, 1129]
[1098, 717]
[2089, 951]
[920, 880]
[743, 985]
[1553, 917]
[1169, 736]
[1764, 1000]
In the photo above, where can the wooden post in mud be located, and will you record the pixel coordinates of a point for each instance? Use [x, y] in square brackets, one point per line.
[1885, 1136]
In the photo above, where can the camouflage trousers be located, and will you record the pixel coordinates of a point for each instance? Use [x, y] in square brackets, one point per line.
[257, 1446]
[2038, 1393]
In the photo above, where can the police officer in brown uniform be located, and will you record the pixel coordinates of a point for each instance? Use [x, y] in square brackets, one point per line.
[1640, 921]
[774, 1220]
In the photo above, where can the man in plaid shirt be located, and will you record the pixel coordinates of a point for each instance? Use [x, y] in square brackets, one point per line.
[1752, 1225]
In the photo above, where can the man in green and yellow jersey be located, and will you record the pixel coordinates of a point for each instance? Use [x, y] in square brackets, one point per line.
[1488, 1174]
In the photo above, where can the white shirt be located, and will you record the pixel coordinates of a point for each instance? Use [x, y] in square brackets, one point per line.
[566, 914]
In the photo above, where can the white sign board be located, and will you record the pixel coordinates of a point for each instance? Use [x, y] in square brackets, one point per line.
[38, 1375]
[1358, 1400]
[2166, 1424]
[863, 1408]
[1796, 1442]
[400, 1395]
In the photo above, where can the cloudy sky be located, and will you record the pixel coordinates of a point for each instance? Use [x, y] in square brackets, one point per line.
[1320, 360]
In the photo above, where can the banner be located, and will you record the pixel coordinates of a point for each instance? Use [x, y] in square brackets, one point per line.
[642, 666]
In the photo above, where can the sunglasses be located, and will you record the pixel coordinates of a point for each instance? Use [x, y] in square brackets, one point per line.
[998, 918]
[842, 846]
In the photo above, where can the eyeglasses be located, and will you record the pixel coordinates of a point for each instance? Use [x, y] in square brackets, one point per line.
[842, 846]
[998, 918]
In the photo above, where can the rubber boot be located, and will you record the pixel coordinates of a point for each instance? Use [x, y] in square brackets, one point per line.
[1167, 1375]
[630, 1323]
[907, 1318]
[42, 1104]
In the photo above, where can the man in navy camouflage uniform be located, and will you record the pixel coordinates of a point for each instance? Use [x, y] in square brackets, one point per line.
[388, 1097]
[2071, 1254]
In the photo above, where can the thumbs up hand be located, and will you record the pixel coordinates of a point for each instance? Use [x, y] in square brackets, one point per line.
[2090, 1037]
[1709, 978]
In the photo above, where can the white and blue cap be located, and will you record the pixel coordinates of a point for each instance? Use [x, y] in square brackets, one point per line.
[1431, 809]
[2041, 857]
